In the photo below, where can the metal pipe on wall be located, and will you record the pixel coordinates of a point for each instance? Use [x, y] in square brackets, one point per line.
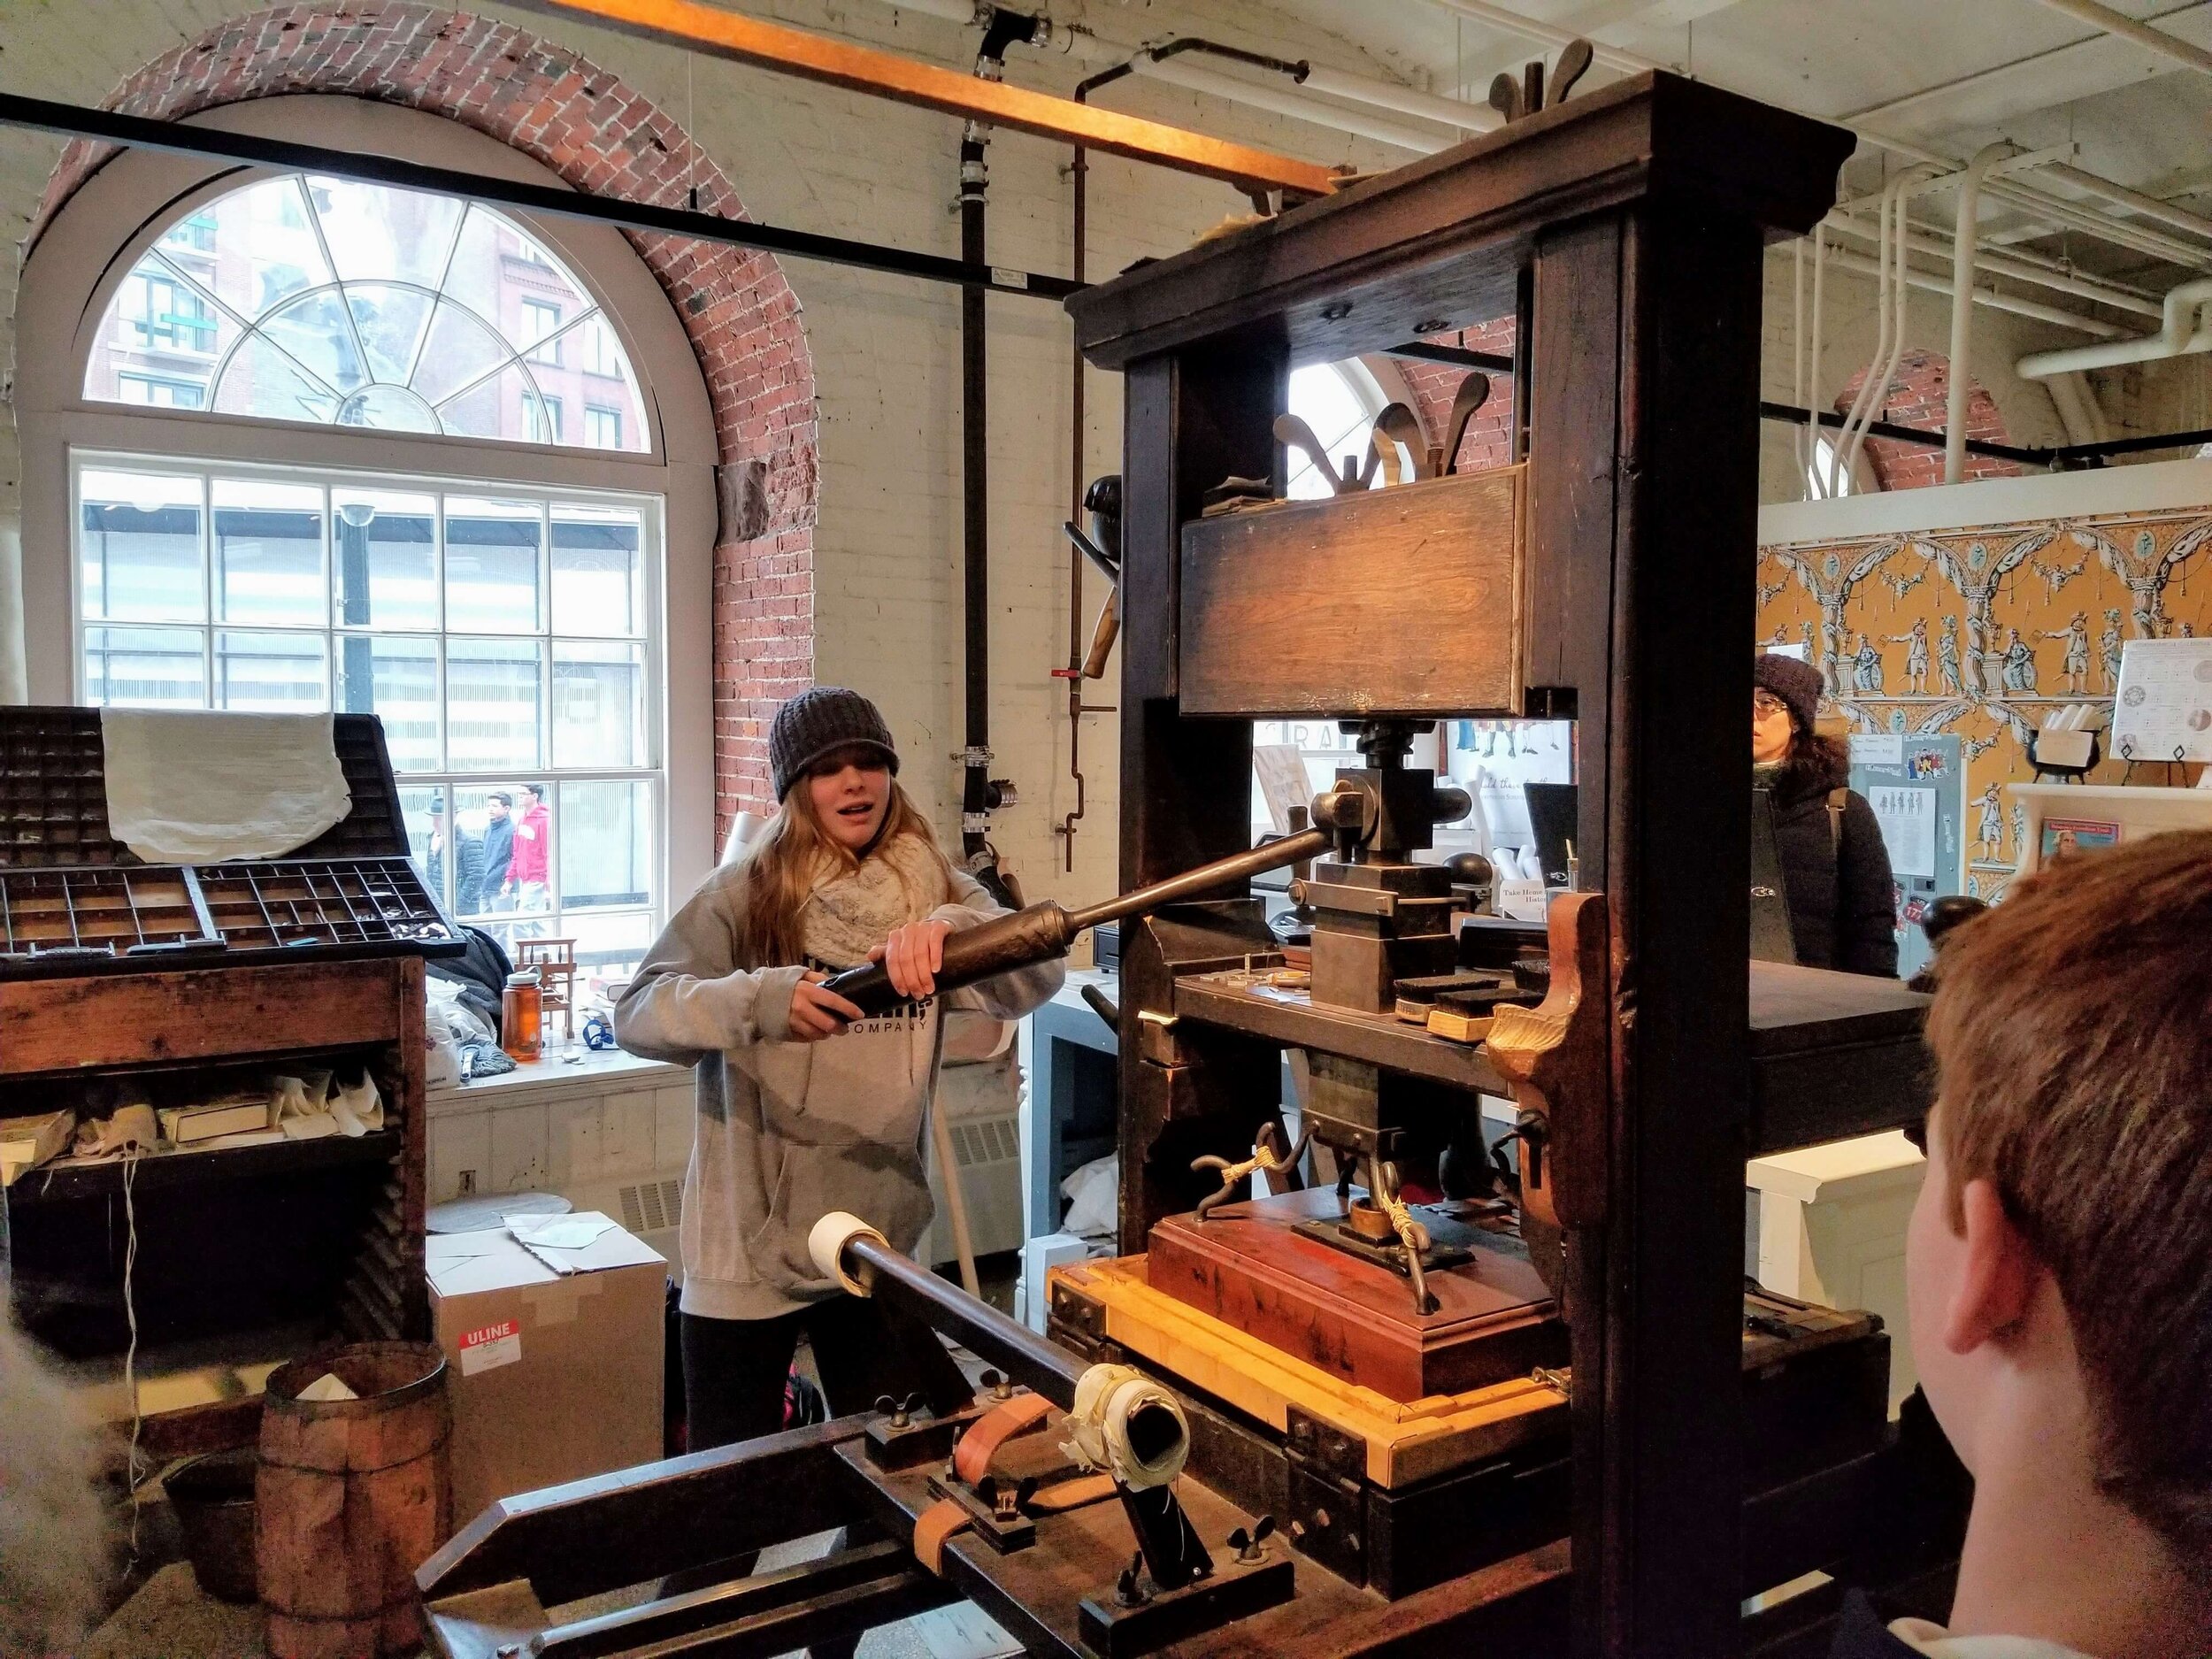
[2034, 268]
[1964, 241]
[2183, 333]
[1845, 260]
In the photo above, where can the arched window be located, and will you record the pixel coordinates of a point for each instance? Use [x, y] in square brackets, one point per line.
[1337, 400]
[1823, 477]
[314, 443]
[342, 303]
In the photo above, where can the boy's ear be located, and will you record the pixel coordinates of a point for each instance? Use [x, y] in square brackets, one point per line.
[1997, 1277]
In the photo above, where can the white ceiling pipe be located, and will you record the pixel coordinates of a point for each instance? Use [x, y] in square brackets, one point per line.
[2042, 271]
[1086, 47]
[2182, 332]
[1874, 389]
[2039, 62]
[1613, 58]
[2068, 213]
[1845, 260]
[2128, 28]
[2148, 206]
[1287, 99]
[1455, 113]
[1963, 238]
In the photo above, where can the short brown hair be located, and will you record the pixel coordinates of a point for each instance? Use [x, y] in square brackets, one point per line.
[2072, 1031]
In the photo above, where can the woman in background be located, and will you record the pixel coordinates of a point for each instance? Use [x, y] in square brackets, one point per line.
[1835, 870]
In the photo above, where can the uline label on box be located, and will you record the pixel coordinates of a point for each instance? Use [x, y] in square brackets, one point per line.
[492, 1345]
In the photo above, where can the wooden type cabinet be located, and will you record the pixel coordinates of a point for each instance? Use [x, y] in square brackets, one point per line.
[287, 1244]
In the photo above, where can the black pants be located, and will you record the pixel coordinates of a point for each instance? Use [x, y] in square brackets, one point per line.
[735, 1369]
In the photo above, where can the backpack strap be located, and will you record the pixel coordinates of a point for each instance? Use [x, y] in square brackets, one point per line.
[1835, 798]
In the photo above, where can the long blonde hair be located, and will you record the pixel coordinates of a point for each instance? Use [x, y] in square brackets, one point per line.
[789, 858]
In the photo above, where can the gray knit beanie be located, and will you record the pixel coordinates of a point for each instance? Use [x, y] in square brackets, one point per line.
[816, 721]
[1796, 682]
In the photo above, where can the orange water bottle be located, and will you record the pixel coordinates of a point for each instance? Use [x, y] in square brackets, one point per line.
[522, 1016]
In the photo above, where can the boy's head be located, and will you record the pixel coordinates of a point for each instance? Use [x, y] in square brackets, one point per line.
[2060, 1258]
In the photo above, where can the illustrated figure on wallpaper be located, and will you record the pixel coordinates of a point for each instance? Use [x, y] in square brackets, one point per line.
[1866, 667]
[1916, 657]
[1976, 662]
[1991, 823]
[2019, 830]
[1805, 638]
[2108, 647]
[2018, 663]
[1831, 653]
[2076, 634]
[1948, 657]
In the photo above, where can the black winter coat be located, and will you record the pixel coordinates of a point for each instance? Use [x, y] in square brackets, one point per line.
[1842, 905]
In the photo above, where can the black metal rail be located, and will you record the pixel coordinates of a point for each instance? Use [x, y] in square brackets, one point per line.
[137, 131]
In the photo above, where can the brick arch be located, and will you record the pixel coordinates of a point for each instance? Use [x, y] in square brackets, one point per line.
[600, 135]
[1917, 395]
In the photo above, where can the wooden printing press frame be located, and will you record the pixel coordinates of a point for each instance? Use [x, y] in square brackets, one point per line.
[1626, 230]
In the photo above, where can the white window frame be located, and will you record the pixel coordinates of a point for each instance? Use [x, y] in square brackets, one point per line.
[97, 238]
[447, 778]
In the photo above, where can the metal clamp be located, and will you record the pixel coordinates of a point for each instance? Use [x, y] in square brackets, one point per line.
[1268, 1158]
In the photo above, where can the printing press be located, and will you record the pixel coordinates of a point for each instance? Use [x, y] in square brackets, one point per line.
[1545, 1413]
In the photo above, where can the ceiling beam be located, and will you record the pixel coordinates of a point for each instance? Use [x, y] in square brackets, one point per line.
[717, 33]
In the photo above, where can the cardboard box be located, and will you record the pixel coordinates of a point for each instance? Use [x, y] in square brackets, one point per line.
[554, 1355]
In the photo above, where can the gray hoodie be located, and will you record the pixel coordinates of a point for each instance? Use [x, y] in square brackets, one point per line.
[787, 1132]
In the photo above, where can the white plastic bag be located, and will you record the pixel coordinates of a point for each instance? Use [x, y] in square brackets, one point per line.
[1093, 1193]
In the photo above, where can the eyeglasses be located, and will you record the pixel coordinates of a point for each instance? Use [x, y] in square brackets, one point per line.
[1764, 703]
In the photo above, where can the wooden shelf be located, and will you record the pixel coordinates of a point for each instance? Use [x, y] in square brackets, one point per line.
[1291, 1019]
[66, 1180]
[1832, 1054]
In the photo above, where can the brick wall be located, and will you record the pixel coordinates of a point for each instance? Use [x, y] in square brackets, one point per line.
[1489, 439]
[1917, 395]
[582, 121]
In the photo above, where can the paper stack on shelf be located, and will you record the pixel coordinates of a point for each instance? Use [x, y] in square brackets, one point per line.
[28, 1142]
[182, 1125]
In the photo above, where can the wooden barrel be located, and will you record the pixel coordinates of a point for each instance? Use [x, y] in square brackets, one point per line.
[352, 1496]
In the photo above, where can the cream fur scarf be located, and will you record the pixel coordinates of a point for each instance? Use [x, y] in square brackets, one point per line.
[848, 915]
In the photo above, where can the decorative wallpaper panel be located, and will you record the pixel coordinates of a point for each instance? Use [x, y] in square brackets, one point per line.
[1986, 632]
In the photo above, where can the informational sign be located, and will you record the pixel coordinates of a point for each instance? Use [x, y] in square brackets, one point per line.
[1917, 786]
[1908, 818]
[2163, 711]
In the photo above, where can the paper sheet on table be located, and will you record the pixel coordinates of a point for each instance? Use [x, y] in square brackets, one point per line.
[197, 786]
[558, 1233]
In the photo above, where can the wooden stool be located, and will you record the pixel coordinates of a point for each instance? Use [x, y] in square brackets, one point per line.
[554, 959]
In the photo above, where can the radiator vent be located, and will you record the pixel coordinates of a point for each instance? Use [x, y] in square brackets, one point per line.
[652, 1206]
[987, 1140]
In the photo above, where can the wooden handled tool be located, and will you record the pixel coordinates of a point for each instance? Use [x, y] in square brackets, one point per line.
[1293, 433]
[1574, 61]
[1474, 392]
[1398, 425]
[1103, 633]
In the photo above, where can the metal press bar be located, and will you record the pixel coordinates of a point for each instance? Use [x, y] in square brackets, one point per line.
[1024, 1355]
